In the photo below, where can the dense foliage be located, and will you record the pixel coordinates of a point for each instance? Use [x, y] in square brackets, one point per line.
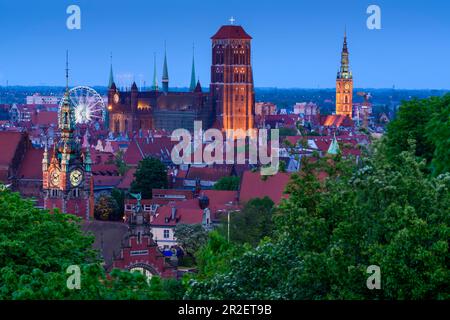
[329, 232]
[390, 210]
[427, 122]
[151, 173]
[252, 223]
[106, 208]
[36, 248]
[227, 183]
[190, 237]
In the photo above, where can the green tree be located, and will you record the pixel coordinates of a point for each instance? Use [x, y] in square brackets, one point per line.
[190, 237]
[227, 183]
[215, 256]
[252, 223]
[37, 247]
[119, 196]
[106, 208]
[150, 174]
[438, 134]
[427, 122]
[387, 212]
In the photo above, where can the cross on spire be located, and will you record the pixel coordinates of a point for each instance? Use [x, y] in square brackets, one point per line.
[232, 20]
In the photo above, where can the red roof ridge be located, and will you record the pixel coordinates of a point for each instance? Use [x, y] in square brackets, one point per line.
[231, 32]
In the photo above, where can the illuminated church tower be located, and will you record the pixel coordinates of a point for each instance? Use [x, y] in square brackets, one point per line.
[67, 177]
[344, 84]
[232, 78]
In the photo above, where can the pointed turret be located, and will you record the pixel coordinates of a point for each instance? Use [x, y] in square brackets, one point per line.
[192, 85]
[66, 112]
[344, 72]
[165, 77]
[155, 76]
[334, 146]
[134, 86]
[111, 75]
[198, 87]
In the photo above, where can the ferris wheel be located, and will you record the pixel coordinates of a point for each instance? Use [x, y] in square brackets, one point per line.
[88, 105]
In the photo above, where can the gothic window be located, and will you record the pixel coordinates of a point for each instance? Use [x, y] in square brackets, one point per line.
[76, 193]
[53, 193]
[139, 237]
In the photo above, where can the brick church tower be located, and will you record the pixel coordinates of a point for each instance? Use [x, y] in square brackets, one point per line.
[344, 84]
[232, 78]
[67, 177]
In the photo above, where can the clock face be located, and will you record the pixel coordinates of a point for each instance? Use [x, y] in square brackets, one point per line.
[347, 86]
[76, 176]
[116, 98]
[54, 177]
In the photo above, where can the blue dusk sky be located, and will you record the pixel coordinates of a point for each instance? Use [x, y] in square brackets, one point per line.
[296, 43]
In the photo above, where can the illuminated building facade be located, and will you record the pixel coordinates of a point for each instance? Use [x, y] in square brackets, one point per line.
[67, 177]
[231, 87]
[344, 84]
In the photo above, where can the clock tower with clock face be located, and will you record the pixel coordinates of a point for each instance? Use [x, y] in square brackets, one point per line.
[344, 85]
[67, 177]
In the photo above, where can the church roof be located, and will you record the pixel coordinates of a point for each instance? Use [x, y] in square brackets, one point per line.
[198, 88]
[231, 32]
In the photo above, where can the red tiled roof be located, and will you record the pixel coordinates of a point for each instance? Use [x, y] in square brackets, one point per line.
[127, 179]
[336, 121]
[220, 197]
[45, 118]
[107, 181]
[231, 32]
[31, 165]
[168, 193]
[8, 143]
[254, 186]
[105, 169]
[208, 174]
[183, 216]
[221, 200]
[139, 148]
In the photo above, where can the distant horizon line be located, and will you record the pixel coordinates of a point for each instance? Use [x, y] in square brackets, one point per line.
[256, 87]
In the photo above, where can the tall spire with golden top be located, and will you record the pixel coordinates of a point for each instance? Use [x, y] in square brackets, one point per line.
[66, 117]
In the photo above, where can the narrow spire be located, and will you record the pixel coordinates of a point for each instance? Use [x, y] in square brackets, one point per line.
[344, 71]
[155, 76]
[193, 84]
[67, 70]
[165, 77]
[111, 74]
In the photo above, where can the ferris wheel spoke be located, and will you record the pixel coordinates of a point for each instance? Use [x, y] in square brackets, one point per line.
[88, 105]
